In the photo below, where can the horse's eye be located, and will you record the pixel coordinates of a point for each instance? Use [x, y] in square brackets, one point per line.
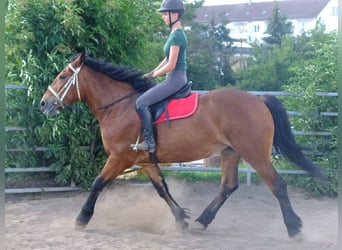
[62, 77]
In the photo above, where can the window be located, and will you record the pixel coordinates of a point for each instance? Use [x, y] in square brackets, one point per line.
[242, 28]
[334, 11]
[303, 25]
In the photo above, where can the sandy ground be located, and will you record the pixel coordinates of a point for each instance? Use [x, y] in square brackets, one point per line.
[135, 217]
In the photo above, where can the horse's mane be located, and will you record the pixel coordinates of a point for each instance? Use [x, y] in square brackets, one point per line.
[119, 73]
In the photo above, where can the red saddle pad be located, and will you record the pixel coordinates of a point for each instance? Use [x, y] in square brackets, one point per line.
[180, 108]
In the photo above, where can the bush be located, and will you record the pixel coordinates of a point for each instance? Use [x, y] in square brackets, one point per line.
[318, 73]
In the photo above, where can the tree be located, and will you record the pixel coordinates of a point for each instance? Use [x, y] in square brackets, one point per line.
[268, 69]
[209, 51]
[278, 27]
[317, 73]
[189, 14]
[268, 65]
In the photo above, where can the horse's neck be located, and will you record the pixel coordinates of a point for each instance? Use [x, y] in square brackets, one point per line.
[102, 91]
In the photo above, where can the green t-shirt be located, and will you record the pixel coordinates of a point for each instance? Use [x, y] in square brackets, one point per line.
[177, 38]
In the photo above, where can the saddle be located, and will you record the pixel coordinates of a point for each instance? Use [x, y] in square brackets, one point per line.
[159, 108]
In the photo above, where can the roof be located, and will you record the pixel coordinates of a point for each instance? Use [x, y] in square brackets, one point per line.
[293, 9]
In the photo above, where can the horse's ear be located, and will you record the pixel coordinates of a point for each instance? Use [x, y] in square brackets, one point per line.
[83, 55]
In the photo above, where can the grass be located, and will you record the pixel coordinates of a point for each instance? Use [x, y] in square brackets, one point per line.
[197, 176]
[139, 176]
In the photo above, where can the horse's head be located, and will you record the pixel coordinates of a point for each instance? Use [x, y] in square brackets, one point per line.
[64, 89]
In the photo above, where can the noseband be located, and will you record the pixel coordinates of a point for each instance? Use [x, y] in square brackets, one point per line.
[73, 80]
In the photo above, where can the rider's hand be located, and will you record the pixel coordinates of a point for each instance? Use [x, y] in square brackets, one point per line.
[148, 76]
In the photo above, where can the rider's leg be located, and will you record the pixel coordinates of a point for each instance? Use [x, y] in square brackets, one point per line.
[149, 143]
[174, 81]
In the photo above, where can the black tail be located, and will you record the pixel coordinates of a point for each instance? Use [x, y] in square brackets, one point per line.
[284, 141]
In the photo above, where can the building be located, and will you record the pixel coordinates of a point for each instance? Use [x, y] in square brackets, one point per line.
[248, 21]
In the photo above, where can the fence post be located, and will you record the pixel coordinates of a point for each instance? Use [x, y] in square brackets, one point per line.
[248, 174]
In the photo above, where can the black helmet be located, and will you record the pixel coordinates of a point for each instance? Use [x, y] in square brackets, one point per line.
[173, 6]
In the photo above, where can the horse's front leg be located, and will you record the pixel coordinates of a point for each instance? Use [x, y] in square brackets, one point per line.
[158, 181]
[110, 171]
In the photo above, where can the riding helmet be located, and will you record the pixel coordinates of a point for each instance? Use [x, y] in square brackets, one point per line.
[172, 6]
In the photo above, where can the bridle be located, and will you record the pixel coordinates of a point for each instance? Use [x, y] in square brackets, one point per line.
[73, 80]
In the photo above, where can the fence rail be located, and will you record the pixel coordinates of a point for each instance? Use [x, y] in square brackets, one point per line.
[191, 166]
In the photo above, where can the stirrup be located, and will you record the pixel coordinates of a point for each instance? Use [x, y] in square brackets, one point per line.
[145, 147]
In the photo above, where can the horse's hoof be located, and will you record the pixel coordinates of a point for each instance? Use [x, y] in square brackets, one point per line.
[199, 226]
[79, 225]
[186, 213]
[182, 226]
[297, 237]
[83, 219]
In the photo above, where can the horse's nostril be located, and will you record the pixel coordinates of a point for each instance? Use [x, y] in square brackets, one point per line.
[42, 103]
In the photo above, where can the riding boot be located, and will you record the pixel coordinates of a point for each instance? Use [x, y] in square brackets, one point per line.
[149, 143]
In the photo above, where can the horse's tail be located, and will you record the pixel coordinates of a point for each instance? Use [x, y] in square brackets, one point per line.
[284, 141]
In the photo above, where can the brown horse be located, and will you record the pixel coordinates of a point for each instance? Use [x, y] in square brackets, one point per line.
[235, 123]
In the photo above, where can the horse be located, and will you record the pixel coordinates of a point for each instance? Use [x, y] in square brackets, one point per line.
[230, 121]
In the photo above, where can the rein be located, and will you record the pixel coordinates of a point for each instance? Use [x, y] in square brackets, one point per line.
[119, 100]
[73, 80]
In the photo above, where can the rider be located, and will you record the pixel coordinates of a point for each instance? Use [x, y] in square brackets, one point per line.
[174, 65]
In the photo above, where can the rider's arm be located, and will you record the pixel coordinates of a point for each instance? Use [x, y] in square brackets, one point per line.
[170, 65]
[161, 64]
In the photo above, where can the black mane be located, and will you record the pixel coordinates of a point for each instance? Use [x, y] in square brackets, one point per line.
[119, 73]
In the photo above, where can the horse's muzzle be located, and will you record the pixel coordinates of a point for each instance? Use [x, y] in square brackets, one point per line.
[49, 106]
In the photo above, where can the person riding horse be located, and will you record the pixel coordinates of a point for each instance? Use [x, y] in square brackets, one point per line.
[230, 121]
[174, 65]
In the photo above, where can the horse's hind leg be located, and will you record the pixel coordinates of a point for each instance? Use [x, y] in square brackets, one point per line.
[229, 183]
[279, 188]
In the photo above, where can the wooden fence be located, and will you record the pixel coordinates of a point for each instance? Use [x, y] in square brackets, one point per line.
[190, 166]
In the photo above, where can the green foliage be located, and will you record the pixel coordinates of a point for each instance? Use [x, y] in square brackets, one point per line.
[189, 14]
[193, 176]
[317, 73]
[270, 67]
[209, 51]
[277, 27]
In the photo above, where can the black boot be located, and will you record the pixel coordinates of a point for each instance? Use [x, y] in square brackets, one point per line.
[149, 143]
